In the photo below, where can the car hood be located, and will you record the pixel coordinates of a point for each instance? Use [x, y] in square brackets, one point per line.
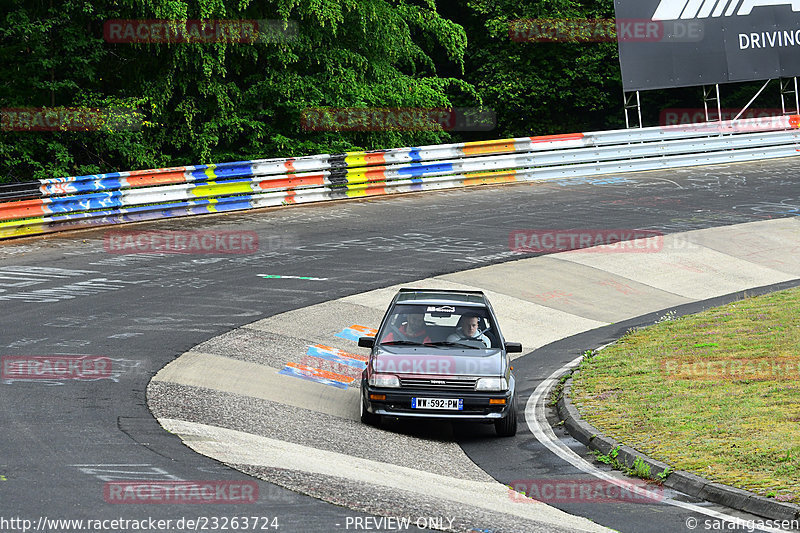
[422, 360]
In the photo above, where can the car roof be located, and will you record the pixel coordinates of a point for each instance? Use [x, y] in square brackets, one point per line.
[440, 296]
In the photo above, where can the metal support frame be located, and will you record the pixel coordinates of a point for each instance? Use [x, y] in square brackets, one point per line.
[708, 97]
[628, 104]
[753, 99]
[788, 88]
[790, 97]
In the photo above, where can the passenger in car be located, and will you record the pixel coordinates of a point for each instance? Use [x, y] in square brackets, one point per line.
[413, 330]
[467, 329]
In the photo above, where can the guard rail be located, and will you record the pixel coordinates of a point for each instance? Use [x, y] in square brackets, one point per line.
[82, 201]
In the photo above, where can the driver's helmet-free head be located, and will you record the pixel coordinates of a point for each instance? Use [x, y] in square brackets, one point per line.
[465, 324]
[415, 316]
[415, 320]
[415, 325]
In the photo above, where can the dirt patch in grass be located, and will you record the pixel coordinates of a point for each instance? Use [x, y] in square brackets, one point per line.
[716, 394]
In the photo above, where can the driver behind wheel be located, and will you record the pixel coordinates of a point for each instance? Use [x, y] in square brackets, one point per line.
[467, 329]
[413, 330]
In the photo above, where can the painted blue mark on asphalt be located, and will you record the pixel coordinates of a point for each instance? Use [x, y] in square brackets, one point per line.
[297, 373]
[349, 334]
[328, 355]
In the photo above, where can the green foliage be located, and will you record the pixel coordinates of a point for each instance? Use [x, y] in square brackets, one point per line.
[227, 101]
[610, 459]
[558, 390]
[222, 101]
[641, 469]
[543, 88]
[664, 474]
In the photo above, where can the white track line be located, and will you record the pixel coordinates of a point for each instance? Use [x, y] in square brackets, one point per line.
[538, 425]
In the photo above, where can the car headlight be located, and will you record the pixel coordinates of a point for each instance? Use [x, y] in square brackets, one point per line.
[492, 384]
[384, 380]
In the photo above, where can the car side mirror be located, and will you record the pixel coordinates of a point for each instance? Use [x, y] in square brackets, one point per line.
[369, 342]
[513, 347]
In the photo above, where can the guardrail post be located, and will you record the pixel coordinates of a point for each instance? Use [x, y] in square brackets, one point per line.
[788, 88]
[709, 97]
[627, 100]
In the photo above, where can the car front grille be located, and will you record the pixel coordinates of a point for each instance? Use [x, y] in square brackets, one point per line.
[438, 384]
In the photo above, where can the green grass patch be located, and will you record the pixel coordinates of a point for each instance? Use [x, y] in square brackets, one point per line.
[716, 394]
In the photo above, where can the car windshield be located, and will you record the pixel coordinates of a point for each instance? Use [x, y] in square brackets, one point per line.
[442, 326]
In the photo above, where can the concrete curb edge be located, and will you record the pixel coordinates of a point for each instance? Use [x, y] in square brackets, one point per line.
[686, 482]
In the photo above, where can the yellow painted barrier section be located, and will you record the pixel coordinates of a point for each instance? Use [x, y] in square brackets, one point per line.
[355, 159]
[363, 159]
[13, 223]
[19, 229]
[365, 189]
[485, 178]
[210, 172]
[356, 176]
[218, 189]
[489, 147]
[367, 174]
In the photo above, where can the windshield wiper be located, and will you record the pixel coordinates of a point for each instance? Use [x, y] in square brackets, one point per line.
[405, 343]
[448, 343]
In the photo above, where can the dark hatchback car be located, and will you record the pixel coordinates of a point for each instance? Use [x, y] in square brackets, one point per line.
[440, 354]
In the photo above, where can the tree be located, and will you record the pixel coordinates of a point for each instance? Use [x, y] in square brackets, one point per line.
[542, 87]
[203, 102]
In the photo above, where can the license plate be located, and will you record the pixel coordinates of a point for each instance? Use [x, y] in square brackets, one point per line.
[448, 404]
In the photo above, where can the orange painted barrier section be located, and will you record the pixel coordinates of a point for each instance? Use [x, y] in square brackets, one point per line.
[22, 209]
[149, 178]
[556, 138]
[490, 147]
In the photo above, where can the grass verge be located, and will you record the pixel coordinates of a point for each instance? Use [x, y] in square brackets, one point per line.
[716, 394]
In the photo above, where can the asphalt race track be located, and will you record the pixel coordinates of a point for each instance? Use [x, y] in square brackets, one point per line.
[64, 441]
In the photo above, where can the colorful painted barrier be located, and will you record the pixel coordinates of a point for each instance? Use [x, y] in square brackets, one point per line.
[59, 204]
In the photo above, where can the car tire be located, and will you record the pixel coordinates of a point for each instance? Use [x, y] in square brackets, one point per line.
[370, 419]
[507, 426]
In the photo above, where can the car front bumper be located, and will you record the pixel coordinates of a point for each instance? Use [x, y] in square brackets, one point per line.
[476, 405]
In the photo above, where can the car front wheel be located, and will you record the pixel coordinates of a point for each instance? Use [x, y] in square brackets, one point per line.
[507, 426]
[370, 419]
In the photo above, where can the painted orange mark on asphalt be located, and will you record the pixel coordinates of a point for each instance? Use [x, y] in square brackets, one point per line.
[342, 353]
[364, 329]
[316, 372]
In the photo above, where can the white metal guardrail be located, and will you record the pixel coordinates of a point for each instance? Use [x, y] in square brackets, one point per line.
[114, 198]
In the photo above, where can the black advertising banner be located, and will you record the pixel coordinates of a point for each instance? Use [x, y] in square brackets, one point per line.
[682, 43]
